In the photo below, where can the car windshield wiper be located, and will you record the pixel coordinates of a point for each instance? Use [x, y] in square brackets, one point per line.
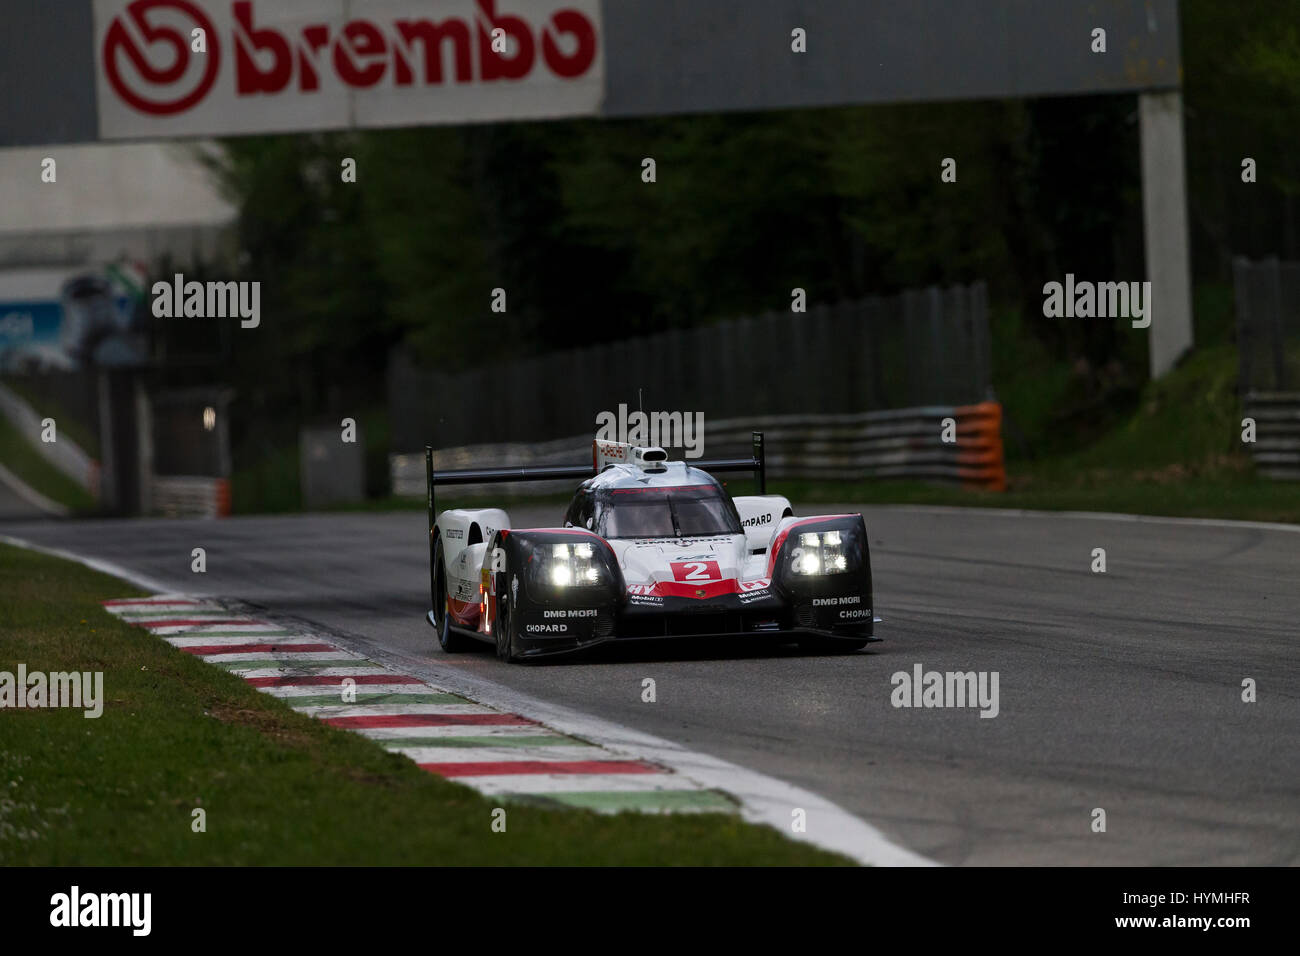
[672, 510]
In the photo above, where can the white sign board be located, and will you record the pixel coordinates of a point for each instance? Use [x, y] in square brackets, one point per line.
[212, 67]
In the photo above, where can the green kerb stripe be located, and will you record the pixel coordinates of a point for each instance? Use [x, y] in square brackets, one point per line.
[505, 740]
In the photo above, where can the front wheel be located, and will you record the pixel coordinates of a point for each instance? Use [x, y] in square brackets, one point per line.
[503, 628]
[448, 640]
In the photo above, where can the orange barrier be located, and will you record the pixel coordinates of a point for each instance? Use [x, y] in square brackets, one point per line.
[979, 436]
[222, 491]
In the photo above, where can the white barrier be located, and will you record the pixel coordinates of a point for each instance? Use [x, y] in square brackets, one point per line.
[184, 496]
[64, 454]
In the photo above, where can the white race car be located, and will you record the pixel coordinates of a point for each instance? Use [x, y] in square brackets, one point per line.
[648, 549]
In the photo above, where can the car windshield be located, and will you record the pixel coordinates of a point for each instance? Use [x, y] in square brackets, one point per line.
[678, 512]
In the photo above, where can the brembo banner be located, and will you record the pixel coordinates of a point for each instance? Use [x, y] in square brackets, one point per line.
[76, 71]
[211, 67]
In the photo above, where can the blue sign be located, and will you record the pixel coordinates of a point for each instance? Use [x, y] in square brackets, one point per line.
[89, 324]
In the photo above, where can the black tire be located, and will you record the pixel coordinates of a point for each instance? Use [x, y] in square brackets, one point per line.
[503, 628]
[448, 640]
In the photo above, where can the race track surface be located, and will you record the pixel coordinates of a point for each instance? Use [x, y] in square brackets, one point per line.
[1120, 691]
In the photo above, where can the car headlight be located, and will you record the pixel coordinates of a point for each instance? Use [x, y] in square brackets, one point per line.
[821, 552]
[561, 565]
[572, 565]
[565, 570]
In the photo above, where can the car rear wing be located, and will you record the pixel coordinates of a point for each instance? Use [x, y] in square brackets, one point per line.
[756, 464]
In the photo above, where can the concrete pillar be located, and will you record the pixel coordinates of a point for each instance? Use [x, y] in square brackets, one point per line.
[144, 447]
[108, 490]
[1164, 215]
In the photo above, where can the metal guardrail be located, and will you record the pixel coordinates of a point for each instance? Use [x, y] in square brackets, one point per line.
[1276, 449]
[895, 444]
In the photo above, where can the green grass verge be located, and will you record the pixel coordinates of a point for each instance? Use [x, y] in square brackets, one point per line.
[278, 787]
[20, 456]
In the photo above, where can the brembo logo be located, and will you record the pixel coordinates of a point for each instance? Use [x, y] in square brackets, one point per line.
[139, 33]
[149, 40]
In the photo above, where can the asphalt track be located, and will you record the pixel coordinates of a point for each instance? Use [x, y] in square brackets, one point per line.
[1119, 691]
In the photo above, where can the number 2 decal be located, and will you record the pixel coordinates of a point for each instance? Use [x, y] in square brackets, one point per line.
[696, 571]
